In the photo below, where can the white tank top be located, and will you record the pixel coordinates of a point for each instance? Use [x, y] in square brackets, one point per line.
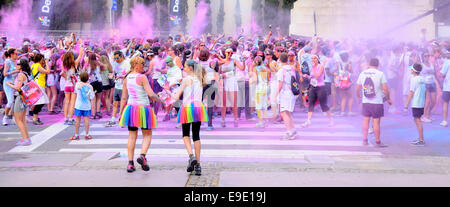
[194, 92]
[136, 93]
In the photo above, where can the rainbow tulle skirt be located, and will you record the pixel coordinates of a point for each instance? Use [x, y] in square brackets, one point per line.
[138, 116]
[192, 112]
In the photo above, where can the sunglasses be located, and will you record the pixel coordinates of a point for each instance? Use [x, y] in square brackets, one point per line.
[202, 45]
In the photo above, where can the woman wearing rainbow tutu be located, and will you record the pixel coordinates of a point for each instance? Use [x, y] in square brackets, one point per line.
[137, 112]
[192, 111]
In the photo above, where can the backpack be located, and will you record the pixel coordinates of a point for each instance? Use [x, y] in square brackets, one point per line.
[30, 93]
[369, 88]
[295, 84]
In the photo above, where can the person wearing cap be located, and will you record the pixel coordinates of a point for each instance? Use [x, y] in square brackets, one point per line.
[417, 95]
[174, 77]
[121, 66]
[230, 84]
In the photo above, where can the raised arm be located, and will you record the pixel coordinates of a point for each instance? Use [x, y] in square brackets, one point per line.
[45, 70]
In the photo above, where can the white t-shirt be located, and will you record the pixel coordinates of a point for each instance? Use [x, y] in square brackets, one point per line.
[121, 69]
[446, 71]
[284, 75]
[418, 87]
[174, 74]
[378, 79]
[85, 93]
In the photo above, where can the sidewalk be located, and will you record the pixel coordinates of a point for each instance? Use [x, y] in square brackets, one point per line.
[109, 170]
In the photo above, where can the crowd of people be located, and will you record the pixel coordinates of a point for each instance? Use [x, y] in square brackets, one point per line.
[195, 80]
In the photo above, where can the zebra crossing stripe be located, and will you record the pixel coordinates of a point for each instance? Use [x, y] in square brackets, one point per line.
[277, 134]
[250, 142]
[250, 126]
[231, 153]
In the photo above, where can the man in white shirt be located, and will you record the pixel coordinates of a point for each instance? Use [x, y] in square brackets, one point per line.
[121, 67]
[371, 86]
[445, 72]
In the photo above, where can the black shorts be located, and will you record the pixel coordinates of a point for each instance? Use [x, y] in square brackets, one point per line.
[98, 86]
[107, 87]
[117, 94]
[446, 96]
[195, 130]
[133, 129]
[373, 110]
[417, 112]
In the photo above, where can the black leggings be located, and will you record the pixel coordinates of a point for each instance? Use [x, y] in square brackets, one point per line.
[320, 93]
[37, 109]
[195, 130]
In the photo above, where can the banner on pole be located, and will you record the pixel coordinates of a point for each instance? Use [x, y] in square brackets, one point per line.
[44, 13]
[176, 8]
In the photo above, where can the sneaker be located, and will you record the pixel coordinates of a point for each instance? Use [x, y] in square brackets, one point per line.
[198, 169]
[98, 115]
[260, 125]
[71, 122]
[209, 128]
[293, 135]
[178, 126]
[392, 110]
[192, 162]
[425, 120]
[418, 143]
[379, 145]
[340, 114]
[66, 122]
[143, 162]
[444, 124]
[130, 168]
[5, 121]
[36, 122]
[74, 137]
[24, 142]
[306, 124]
[110, 124]
[88, 137]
